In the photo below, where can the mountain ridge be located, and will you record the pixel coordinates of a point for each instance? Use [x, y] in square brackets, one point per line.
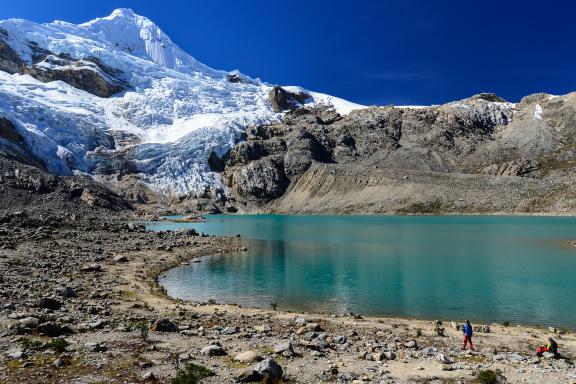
[115, 99]
[117, 87]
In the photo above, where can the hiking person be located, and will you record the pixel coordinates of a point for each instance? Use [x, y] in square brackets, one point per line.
[552, 347]
[467, 329]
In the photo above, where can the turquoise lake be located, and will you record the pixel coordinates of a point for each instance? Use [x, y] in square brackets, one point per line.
[486, 268]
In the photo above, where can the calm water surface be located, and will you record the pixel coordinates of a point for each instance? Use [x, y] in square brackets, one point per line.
[517, 269]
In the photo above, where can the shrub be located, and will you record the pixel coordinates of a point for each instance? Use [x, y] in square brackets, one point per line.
[144, 328]
[506, 323]
[490, 377]
[440, 331]
[191, 374]
[58, 345]
[32, 344]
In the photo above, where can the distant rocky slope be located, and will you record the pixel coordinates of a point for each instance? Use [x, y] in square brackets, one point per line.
[478, 155]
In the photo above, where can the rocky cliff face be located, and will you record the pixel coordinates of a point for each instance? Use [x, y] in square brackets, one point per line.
[480, 154]
[88, 74]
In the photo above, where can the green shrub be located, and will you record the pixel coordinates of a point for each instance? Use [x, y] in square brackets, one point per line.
[32, 344]
[490, 377]
[506, 323]
[191, 374]
[58, 345]
[144, 328]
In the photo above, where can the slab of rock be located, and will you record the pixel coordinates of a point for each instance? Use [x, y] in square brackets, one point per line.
[51, 329]
[68, 292]
[120, 259]
[149, 376]
[213, 350]
[95, 347]
[429, 351]
[164, 325]
[247, 357]
[284, 347]
[16, 354]
[94, 267]
[300, 322]
[411, 344]
[378, 356]
[390, 355]
[269, 368]
[49, 303]
[248, 375]
[29, 322]
[263, 328]
[313, 327]
[444, 359]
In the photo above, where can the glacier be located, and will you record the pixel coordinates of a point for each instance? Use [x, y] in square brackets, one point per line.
[174, 113]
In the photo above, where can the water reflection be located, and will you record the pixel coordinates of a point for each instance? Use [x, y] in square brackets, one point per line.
[491, 269]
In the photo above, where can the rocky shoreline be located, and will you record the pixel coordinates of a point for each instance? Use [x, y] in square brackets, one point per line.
[79, 302]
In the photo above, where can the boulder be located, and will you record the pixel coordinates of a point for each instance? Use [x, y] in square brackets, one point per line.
[444, 359]
[49, 303]
[120, 259]
[378, 356]
[263, 328]
[29, 322]
[213, 350]
[411, 344]
[269, 368]
[284, 347]
[51, 329]
[248, 375]
[93, 267]
[95, 347]
[390, 355]
[164, 325]
[149, 376]
[314, 327]
[247, 357]
[68, 292]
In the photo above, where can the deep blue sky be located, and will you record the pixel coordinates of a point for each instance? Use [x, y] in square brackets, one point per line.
[367, 51]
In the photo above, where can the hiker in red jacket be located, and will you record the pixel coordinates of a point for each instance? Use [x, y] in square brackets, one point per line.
[467, 335]
[552, 347]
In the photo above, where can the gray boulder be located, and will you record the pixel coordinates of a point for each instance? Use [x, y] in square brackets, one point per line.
[213, 350]
[164, 325]
[269, 368]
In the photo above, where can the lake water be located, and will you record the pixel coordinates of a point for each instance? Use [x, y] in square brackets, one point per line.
[486, 268]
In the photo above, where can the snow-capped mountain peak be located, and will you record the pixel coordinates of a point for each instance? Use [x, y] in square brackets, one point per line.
[139, 36]
[115, 97]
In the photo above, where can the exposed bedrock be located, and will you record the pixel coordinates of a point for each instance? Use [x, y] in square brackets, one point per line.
[88, 74]
[480, 154]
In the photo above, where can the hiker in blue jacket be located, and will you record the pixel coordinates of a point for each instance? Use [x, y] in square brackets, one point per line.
[467, 335]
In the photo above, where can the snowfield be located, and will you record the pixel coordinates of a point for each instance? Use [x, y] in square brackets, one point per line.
[176, 111]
